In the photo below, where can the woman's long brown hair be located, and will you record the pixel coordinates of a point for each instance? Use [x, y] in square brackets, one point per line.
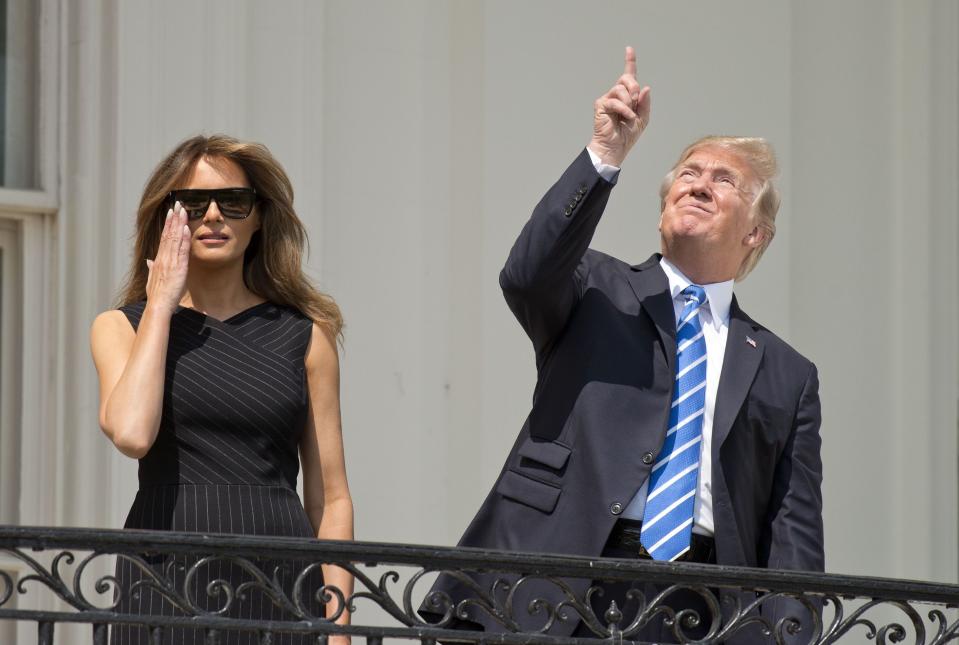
[272, 265]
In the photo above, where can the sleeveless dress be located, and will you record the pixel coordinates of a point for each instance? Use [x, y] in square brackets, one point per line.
[225, 460]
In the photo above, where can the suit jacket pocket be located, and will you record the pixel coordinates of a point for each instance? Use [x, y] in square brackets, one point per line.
[542, 460]
[548, 453]
[528, 491]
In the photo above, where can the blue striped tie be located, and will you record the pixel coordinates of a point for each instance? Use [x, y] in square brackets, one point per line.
[668, 517]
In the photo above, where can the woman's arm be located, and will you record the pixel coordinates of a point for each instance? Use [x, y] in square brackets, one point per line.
[132, 365]
[326, 494]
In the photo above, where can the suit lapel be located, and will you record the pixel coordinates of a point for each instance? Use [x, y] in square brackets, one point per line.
[651, 287]
[744, 352]
[744, 348]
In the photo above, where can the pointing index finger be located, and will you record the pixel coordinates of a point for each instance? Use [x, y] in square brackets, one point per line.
[630, 68]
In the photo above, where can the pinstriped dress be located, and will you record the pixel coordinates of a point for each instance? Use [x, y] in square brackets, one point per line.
[225, 459]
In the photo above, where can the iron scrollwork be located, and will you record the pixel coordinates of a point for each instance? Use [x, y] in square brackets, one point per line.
[527, 597]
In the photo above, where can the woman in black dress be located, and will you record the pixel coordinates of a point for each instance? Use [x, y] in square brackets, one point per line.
[219, 373]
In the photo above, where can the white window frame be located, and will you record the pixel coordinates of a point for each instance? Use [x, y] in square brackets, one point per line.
[27, 220]
[32, 214]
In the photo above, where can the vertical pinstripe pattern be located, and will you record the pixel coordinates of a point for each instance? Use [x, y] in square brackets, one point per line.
[225, 460]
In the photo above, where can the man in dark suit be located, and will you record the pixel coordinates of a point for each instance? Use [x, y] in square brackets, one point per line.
[666, 423]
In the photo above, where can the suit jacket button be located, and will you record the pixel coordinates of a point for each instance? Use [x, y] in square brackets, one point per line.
[648, 458]
[568, 212]
[615, 508]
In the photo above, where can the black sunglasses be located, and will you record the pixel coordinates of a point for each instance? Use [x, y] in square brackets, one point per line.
[235, 203]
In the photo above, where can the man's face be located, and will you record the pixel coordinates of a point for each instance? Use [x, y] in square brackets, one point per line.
[707, 210]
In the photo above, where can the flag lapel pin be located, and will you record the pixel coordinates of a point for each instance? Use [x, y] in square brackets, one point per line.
[750, 341]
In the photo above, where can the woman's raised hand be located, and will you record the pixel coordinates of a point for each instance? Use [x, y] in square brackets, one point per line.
[166, 283]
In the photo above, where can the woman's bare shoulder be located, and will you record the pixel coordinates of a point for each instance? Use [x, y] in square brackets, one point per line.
[111, 333]
[112, 320]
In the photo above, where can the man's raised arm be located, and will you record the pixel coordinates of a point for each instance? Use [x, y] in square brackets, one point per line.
[544, 275]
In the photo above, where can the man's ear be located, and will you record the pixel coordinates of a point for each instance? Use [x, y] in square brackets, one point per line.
[755, 237]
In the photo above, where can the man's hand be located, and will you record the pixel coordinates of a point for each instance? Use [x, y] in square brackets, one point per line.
[620, 115]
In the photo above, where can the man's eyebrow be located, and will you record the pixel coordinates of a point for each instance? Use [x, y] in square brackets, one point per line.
[720, 170]
[716, 169]
[725, 170]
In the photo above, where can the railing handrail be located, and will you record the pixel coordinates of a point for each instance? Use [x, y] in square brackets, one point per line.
[441, 557]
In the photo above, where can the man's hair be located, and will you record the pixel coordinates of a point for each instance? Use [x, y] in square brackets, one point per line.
[759, 155]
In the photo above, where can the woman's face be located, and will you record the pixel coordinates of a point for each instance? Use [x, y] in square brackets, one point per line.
[217, 239]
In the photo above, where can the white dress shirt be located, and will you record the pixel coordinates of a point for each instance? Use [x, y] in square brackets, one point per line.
[714, 316]
[605, 170]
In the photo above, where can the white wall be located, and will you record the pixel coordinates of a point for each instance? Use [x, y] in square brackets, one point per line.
[419, 135]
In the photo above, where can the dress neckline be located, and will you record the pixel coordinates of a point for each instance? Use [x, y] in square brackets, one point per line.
[227, 320]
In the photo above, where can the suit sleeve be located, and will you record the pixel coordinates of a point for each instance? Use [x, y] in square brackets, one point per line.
[545, 273]
[796, 529]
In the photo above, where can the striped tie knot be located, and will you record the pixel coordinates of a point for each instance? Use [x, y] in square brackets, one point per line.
[695, 292]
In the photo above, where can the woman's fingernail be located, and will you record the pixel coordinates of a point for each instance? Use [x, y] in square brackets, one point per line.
[177, 206]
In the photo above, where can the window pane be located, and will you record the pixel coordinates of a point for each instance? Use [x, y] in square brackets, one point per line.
[19, 85]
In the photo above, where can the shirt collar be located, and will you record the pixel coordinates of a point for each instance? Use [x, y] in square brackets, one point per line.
[718, 294]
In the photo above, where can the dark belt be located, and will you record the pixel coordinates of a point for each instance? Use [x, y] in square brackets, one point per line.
[625, 536]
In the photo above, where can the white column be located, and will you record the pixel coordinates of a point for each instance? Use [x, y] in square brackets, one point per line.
[86, 462]
[869, 244]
